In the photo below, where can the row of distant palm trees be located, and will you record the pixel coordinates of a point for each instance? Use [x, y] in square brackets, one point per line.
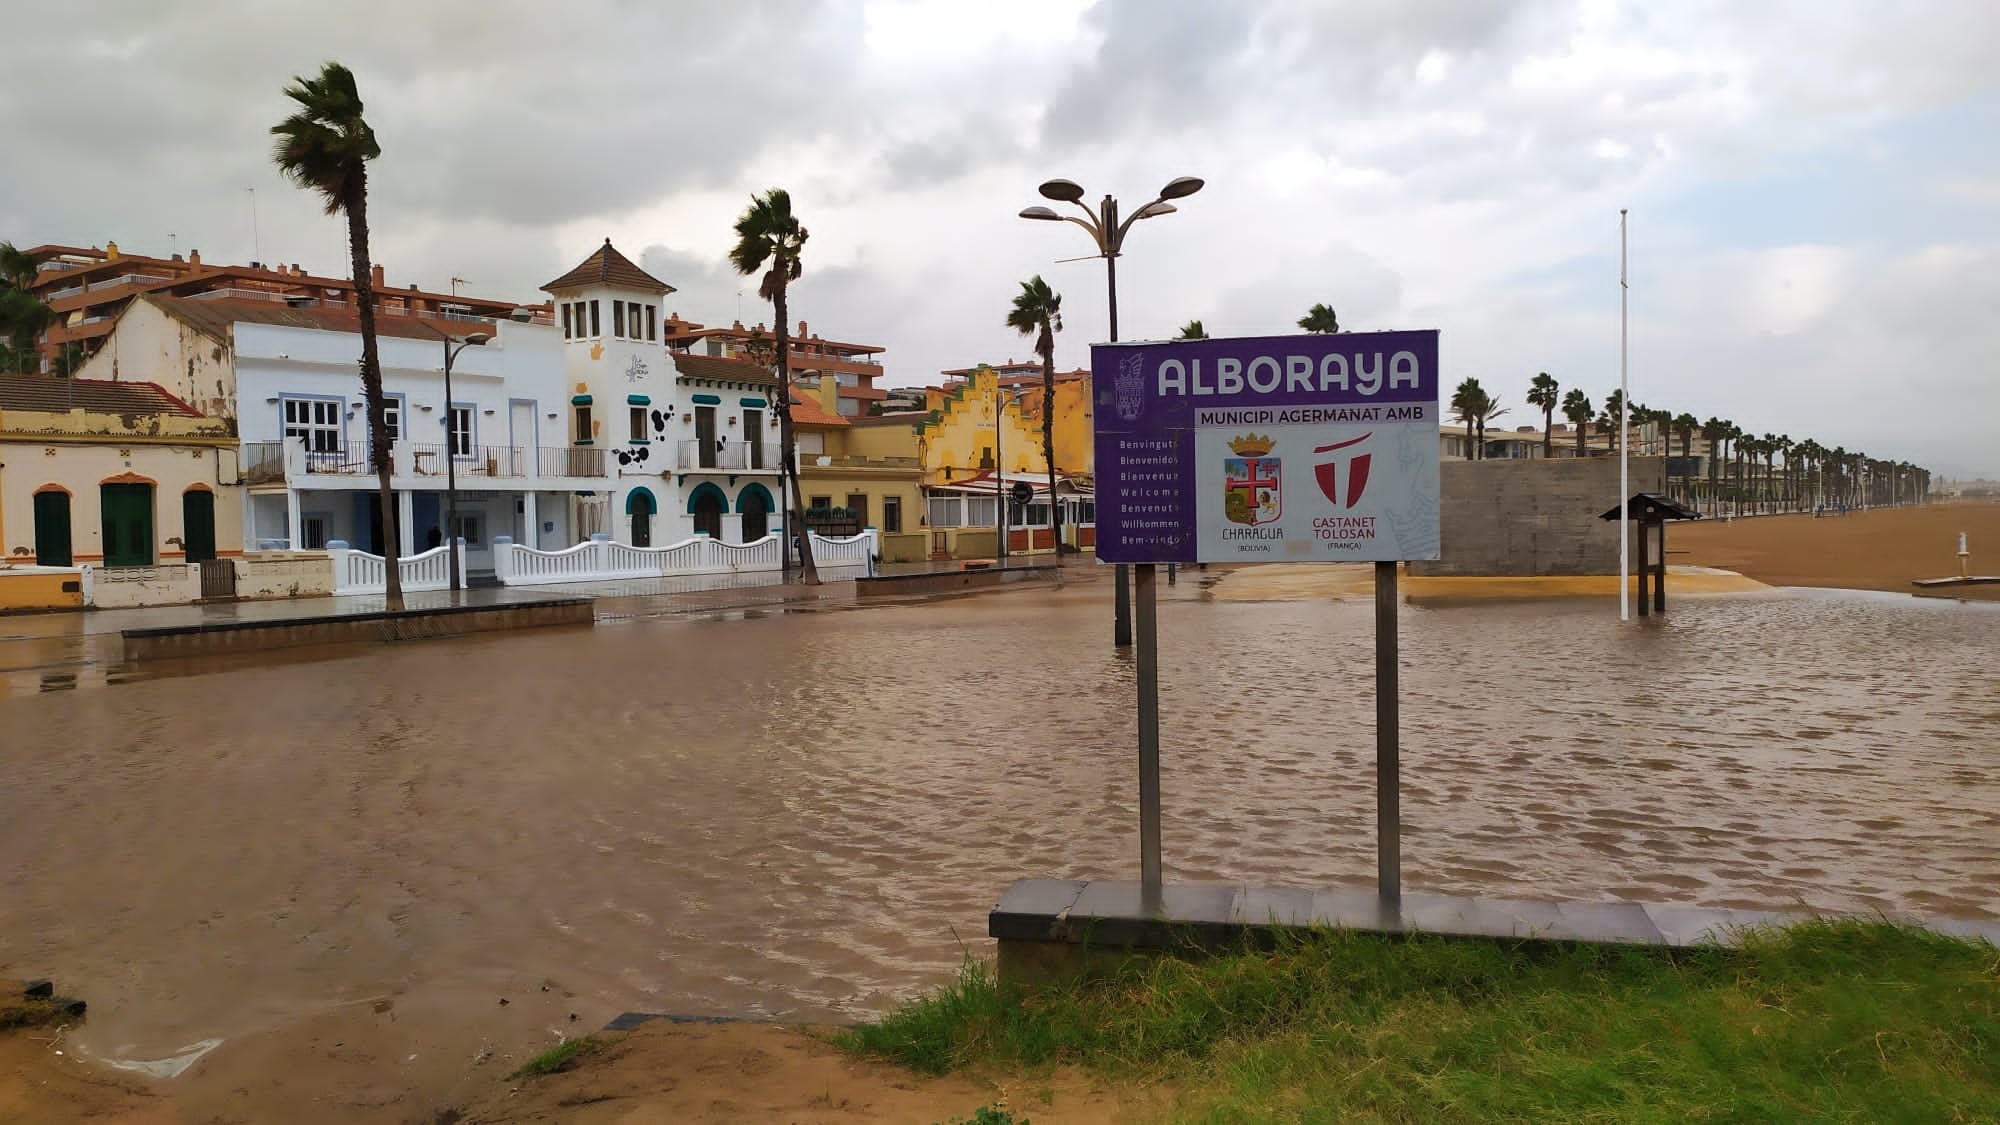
[1743, 474]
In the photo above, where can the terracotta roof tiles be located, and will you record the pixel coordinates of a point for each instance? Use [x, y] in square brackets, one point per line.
[608, 267]
[99, 396]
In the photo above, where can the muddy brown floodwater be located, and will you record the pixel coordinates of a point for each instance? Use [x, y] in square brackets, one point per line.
[806, 816]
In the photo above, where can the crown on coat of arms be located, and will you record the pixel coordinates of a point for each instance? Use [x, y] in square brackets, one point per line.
[1251, 445]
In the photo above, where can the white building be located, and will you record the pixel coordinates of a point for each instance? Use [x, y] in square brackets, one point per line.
[557, 428]
[691, 442]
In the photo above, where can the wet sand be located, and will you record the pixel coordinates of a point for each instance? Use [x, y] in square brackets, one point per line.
[340, 870]
[1883, 549]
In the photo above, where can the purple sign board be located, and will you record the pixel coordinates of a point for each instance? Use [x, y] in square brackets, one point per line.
[1316, 448]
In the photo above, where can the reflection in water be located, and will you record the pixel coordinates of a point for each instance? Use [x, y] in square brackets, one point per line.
[807, 815]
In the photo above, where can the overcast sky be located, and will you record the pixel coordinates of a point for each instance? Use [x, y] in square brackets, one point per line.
[1814, 186]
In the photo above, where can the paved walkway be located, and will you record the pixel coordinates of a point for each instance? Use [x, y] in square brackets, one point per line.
[1112, 913]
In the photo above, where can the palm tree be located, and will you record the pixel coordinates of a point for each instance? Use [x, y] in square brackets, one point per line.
[1577, 407]
[1684, 426]
[1544, 392]
[1473, 406]
[1320, 318]
[1613, 416]
[769, 235]
[1037, 312]
[1192, 330]
[22, 314]
[325, 146]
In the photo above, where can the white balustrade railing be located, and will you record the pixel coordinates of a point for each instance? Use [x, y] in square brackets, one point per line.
[849, 550]
[602, 560]
[358, 572]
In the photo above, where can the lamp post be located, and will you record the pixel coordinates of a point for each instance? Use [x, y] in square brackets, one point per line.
[1000, 400]
[470, 340]
[1109, 235]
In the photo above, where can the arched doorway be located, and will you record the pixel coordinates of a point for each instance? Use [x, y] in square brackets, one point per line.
[198, 525]
[640, 507]
[706, 506]
[754, 505]
[52, 537]
[128, 523]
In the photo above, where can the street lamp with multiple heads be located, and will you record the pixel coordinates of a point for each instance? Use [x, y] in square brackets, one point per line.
[1109, 235]
[452, 346]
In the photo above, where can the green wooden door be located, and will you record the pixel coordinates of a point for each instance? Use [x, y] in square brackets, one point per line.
[198, 525]
[128, 524]
[52, 529]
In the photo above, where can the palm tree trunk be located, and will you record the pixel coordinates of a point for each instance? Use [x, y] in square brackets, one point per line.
[1049, 439]
[1548, 423]
[808, 572]
[356, 206]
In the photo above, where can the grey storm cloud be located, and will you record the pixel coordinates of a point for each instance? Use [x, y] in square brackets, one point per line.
[1412, 162]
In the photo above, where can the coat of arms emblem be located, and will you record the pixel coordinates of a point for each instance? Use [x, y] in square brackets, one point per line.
[1129, 388]
[1251, 485]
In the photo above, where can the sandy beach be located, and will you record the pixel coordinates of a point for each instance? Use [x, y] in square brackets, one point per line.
[1884, 549]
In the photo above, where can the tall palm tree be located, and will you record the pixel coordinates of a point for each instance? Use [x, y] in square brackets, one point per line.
[1037, 312]
[325, 146]
[769, 238]
[1320, 318]
[1577, 407]
[1474, 407]
[1684, 426]
[1192, 330]
[1544, 392]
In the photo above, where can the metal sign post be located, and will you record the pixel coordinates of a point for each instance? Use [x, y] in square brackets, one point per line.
[1268, 449]
[1149, 735]
[1388, 741]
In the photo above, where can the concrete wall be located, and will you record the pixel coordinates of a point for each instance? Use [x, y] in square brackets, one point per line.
[1534, 517]
[125, 587]
[25, 589]
[284, 575]
[407, 625]
[149, 346]
[910, 546]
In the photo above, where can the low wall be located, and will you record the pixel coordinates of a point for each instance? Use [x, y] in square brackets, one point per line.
[951, 581]
[404, 625]
[27, 589]
[128, 587]
[1533, 516]
[906, 547]
[284, 574]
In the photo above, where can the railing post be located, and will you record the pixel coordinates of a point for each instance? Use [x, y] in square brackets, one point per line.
[336, 549]
[503, 558]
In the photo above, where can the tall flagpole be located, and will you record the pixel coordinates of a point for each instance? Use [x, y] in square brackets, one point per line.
[1624, 442]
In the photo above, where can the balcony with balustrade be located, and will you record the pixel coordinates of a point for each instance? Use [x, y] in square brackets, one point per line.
[698, 455]
[296, 463]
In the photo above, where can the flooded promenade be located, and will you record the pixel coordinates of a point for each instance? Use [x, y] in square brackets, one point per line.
[806, 815]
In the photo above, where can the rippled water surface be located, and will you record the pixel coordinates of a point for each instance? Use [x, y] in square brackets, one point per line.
[806, 814]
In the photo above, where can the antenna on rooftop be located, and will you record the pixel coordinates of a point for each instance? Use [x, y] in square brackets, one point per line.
[455, 283]
[256, 243]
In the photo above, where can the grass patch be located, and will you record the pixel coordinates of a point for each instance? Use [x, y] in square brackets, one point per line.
[1848, 1020]
[561, 1057]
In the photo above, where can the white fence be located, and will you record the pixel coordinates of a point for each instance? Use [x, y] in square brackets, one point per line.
[358, 572]
[602, 560]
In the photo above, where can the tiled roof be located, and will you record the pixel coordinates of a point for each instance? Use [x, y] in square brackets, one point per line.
[806, 411]
[214, 317]
[99, 396]
[608, 267]
[715, 367]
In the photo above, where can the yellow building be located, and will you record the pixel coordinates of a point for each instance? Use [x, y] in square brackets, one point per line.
[965, 481]
[853, 474]
[119, 475]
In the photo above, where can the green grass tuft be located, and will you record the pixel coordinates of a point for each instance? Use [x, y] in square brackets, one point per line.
[560, 1057]
[1847, 1020]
